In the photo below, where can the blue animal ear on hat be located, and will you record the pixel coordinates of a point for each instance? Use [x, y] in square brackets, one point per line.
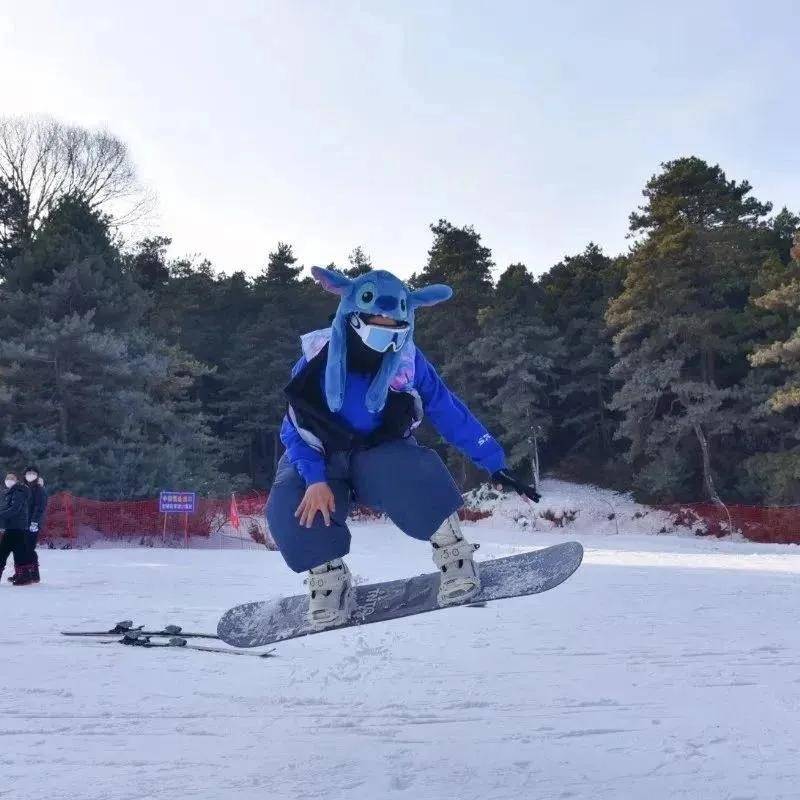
[430, 295]
[334, 282]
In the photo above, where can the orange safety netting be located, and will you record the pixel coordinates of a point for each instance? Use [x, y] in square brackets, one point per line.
[776, 524]
[69, 517]
[72, 518]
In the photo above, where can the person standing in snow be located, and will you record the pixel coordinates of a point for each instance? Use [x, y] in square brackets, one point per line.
[14, 520]
[37, 505]
[356, 395]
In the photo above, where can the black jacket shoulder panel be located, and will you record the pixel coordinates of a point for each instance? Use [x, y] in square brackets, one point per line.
[307, 399]
[305, 396]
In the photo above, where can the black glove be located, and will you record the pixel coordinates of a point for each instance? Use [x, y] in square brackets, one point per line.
[506, 479]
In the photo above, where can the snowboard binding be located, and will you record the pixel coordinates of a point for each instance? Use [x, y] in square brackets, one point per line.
[331, 599]
[452, 554]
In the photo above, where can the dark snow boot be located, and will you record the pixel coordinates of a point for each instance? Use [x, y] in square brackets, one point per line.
[35, 577]
[23, 575]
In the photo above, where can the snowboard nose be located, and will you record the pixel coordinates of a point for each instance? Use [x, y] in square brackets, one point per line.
[386, 302]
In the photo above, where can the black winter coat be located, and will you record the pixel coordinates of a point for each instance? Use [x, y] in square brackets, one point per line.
[14, 509]
[37, 502]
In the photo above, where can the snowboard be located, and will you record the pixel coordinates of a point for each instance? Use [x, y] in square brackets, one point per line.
[270, 621]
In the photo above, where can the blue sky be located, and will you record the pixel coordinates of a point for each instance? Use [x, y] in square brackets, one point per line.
[335, 124]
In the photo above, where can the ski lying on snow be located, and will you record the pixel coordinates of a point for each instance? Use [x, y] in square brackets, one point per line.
[136, 639]
[126, 626]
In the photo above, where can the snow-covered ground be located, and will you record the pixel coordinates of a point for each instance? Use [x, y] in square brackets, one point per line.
[666, 667]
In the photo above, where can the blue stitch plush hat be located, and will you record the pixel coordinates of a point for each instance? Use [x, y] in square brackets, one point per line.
[376, 292]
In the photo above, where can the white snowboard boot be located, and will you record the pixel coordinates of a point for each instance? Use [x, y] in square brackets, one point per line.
[452, 553]
[331, 595]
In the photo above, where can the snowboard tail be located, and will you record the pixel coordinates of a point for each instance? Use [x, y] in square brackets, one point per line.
[270, 621]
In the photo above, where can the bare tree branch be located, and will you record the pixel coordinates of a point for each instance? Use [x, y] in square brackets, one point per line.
[43, 160]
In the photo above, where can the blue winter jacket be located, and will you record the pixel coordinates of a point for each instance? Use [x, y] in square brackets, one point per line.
[451, 418]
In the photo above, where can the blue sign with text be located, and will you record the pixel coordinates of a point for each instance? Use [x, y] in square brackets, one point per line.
[177, 502]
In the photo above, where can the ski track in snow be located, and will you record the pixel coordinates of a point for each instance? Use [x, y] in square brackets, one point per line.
[666, 667]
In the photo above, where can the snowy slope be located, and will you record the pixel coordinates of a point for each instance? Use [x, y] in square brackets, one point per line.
[667, 667]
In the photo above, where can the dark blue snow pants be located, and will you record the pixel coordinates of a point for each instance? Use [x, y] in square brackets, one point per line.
[408, 483]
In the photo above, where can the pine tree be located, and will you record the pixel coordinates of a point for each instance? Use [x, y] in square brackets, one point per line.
[444, 333]
[360, 263]
[88, 392]
[518, 354]
[458, 259]
[257, 366]
[201, 311]
[253, 376]
[575, 295]
[149, 262]
[774, 472]
[775, 312]
[281, 269]
[12, 226]
[681, 327]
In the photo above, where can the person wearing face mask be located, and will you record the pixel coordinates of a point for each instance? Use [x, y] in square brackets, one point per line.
[356, 397]
[37, 505]
[14, 519]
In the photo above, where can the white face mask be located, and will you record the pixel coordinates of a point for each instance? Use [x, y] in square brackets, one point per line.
[380, 338]
[9, 483]
[30, 477]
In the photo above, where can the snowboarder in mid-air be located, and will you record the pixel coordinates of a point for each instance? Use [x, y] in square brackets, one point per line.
[356, 395]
